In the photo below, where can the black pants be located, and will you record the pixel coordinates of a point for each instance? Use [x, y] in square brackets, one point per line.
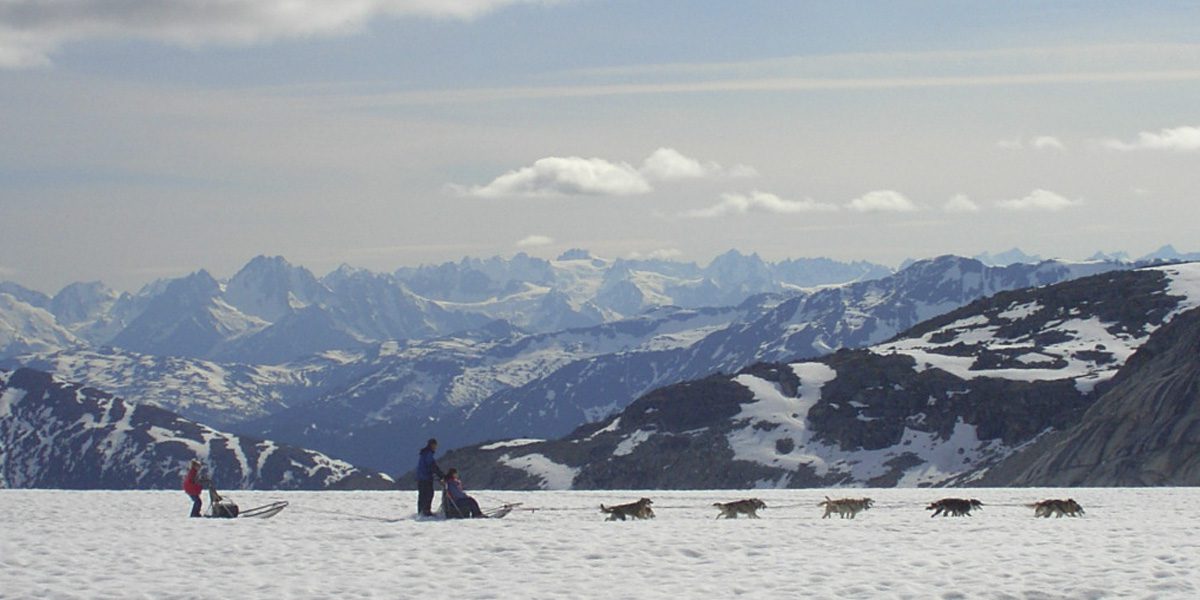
[467, 507]
[425, 497]
[195, 504]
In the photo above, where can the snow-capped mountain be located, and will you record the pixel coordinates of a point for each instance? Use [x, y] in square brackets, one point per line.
[189, 318]
[33, 298]
[463, 390]
[59, 435]
[600, 290]
[82, 302]
[222, 394]
[939, 405]
[360, 402]
[1168, 253]
[304, 332]
[271, 288]
[1008, 257]
[330, 390]
[26, 328]
[396, 394]
[802, 326]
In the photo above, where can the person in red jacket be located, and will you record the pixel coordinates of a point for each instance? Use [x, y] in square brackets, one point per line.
[193, 484]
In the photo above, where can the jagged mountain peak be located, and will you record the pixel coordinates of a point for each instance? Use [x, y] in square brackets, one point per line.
[1011, 256]
[271, 287]
[26, 328]
[734, 258]
[199, 283]
[24, 294]
[575, 254]
[1168, 253]
[83, 301]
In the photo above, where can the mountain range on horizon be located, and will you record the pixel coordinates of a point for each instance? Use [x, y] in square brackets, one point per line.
[1010, 388]
[272, 311]
[1088, 382]
[358, 403]
[498, 263]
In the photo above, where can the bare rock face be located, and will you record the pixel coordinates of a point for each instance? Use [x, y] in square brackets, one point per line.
[1144, 431]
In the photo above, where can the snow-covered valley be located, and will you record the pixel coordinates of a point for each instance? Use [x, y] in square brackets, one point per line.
[1132, 543]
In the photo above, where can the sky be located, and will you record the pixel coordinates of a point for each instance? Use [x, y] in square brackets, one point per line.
[144, 139]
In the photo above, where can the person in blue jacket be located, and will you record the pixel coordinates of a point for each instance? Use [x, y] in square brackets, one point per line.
[464, 503]
[427, 467]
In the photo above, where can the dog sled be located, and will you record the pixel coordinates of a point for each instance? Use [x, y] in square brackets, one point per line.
[220, 507]
[452, 509]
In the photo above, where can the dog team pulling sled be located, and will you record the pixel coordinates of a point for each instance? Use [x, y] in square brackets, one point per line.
[457, 504]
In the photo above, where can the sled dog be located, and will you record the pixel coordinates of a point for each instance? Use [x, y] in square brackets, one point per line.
[954, 507]
[635, 510]
[846, 508]
[1058, 508]
[748, 507]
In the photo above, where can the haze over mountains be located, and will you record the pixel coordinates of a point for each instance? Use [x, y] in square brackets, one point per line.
[364, 366]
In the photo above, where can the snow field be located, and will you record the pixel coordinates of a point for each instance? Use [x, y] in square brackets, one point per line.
[1132, 543]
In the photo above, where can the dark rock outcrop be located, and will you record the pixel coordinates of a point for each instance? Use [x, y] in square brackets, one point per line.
[1144, 431]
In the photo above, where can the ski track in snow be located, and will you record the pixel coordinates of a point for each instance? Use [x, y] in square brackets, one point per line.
[1133, 543]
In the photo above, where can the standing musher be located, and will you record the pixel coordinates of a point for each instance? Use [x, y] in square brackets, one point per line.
[193, 482]
[427, 467]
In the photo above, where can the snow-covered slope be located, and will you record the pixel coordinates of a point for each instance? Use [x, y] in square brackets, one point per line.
[217, 393]
[25, 328]
[402, 393]
[939, 405]
[1082, 333]
[271, 288]
[805, 325]
[188, 318]
[58, 435]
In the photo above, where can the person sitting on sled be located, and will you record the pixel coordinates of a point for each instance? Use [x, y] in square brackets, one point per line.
[193, 483]
[465, 504]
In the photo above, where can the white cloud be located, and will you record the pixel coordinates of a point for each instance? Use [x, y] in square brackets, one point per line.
[30, 30]
[1180, 139]
[575, 176]
[566, 176]
[1040, 142]
[1040, 200]
[667, 164]
[882, 201]
[534, 241]
[961, 203]
[1047, 142]
[740, 204]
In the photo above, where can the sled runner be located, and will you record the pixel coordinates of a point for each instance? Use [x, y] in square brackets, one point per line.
[265, 511]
